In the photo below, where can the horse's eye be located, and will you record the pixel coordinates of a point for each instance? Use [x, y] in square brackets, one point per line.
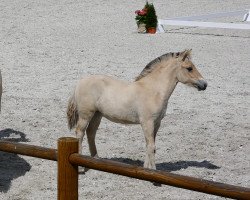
[189, 69]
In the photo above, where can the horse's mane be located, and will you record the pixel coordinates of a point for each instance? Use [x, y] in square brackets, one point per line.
[152, 65]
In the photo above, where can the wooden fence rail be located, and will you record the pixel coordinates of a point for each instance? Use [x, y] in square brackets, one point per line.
[69, 160]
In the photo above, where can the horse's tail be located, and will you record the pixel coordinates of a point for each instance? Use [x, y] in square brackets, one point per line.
[72, 113]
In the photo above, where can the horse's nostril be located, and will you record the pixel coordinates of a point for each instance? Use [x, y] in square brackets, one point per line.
[205, 86]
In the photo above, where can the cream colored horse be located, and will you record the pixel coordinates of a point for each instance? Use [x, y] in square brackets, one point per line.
[1, 89]
[143, 101]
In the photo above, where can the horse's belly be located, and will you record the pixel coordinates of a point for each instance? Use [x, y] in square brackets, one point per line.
[122, 117]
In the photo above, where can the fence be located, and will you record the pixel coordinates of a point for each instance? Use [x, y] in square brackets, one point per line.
[68, 161]
[190, 21]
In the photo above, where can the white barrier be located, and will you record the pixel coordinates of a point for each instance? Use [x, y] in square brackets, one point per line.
[189, 21]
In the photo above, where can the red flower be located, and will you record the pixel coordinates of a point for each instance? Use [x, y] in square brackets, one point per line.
[137, 12]
[141, 12]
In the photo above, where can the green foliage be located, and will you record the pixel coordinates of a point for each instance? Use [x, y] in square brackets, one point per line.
[151, 17]
[140, 19]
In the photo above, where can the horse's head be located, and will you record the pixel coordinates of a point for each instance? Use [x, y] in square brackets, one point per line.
[187, 73]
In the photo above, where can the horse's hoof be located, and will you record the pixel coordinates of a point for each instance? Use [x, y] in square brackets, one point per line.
[82, 170]
[86, 169]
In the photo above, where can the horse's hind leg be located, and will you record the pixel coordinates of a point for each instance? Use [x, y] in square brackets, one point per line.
[80, 131]
[91, 132]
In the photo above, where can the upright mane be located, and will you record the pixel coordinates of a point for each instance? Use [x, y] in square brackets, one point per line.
[152, 65]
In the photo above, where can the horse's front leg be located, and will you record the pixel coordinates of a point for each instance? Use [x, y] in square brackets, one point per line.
[149, 133]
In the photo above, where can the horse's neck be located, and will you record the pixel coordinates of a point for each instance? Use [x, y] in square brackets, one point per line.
[162, 80]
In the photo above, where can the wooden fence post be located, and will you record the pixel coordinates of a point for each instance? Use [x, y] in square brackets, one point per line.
[67, 173]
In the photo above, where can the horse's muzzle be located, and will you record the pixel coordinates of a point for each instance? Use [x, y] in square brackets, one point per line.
[201, 84]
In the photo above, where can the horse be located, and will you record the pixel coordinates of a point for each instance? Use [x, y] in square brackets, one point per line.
[1, 89]
[142, 101]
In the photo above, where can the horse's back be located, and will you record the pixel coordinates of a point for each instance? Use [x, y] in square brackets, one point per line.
[101, 78]
[91, 88]
[99, 82]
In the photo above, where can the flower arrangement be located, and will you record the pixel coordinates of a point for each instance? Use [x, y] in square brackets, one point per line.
[146, 18]
[141, 16]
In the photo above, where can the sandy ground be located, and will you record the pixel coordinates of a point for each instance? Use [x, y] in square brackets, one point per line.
[46, 46]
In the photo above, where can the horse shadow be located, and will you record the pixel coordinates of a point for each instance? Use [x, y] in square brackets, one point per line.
[11, 165]
[170, 166]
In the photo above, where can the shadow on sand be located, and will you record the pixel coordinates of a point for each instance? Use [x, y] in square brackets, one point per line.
[11, 165]
[170, 166]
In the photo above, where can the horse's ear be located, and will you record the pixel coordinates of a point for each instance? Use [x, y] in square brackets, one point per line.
[186, 54]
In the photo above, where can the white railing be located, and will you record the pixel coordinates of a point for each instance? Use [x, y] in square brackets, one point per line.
[189, 21]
